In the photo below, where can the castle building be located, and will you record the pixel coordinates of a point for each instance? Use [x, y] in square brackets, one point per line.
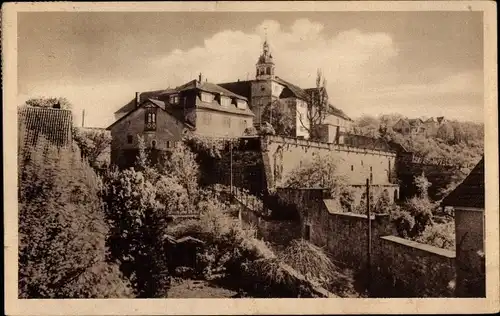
[267, 89]
[222, 110]
[163, 117]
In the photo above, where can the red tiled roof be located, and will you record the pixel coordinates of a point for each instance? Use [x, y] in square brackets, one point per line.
[469, 193]
[53, 124]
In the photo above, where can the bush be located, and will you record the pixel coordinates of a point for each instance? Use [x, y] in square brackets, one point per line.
[138, 223]
[62, 228]
[421, 210]
[439, 235]
[312, 262]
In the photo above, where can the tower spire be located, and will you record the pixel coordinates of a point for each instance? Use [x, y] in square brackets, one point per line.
[265, 64]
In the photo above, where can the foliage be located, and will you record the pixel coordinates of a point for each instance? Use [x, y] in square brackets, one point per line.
[422, 185]
[92, 143]
[181, 165]
[266, 129]
[279, 116]
[48, 102]
[439, 235]
[321, 172]
[317, 108]
[313, 263]
[250, 131]
[421, 210]
[62, 228]
[403, 221]
[137, 224]
[454, 142]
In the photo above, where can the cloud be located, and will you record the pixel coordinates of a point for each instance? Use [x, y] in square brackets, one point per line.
[360, 68]
[298, 53]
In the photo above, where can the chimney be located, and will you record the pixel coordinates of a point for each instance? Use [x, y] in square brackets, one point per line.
[137, 99]
[200, 78]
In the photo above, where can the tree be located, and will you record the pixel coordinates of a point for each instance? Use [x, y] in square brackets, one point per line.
[439, 235]
[138, 222]
[317, 108]
[422, 185]
[181, 164]
[49, 102]
[62, 228]
[92, 143]
[321, 172]
[445, 132]
[280, 118]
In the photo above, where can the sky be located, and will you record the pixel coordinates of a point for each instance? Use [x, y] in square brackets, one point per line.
[412, 63]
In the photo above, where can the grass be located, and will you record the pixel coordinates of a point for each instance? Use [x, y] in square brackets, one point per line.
[188, 288]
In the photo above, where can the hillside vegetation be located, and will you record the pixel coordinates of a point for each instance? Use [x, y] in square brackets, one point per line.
[453, 142]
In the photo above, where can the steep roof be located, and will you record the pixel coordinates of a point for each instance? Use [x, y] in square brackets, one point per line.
[292, 90]
[54, 124]
[208, 87]
[414, 122]
[243, 88]
[142, 97]
[469, 193]
[177, 113]
[338, 112]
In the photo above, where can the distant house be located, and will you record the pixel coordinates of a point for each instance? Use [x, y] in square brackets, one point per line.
[468, 202]
[409, 126]
[163, 117]
[52, 123]
[418, 126]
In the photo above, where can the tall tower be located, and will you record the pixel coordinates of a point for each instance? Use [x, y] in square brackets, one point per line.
[265, 64]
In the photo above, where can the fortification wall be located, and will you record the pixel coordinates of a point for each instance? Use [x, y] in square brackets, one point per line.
[399, 267]
[282, 155]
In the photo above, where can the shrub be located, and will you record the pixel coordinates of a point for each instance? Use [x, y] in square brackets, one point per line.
[313, 263]
[403, 221]
[138, 223]
[62, 228]
[421, 210]
[439, 235]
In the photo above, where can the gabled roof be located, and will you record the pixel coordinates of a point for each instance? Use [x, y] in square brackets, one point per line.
[338, 112]
[469, 193]
[209, 87]
[177, 113]
[243, 88]
[54, 124]
[440, 119]
[430, 120]
[142, 97]
[292, 90]
[414, 122]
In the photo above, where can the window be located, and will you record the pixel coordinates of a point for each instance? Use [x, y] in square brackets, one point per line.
[150, 120]
[174, 99]
[371, 168]
[243, 124]
[153, 144]
[207, 118]
[207, 97]
[352, 168]
[361, 162]
[169, 144]
[129, 139]
[225, 101]
[227, 122]
[268, 70]
[241, 104]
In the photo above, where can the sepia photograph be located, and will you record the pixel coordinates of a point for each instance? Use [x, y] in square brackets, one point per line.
[243, 152]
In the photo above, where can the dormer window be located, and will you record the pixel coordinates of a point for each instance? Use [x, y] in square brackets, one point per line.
[241, 104]
[150, 120]
[174, 99]
[225, 101]
[207, 97]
